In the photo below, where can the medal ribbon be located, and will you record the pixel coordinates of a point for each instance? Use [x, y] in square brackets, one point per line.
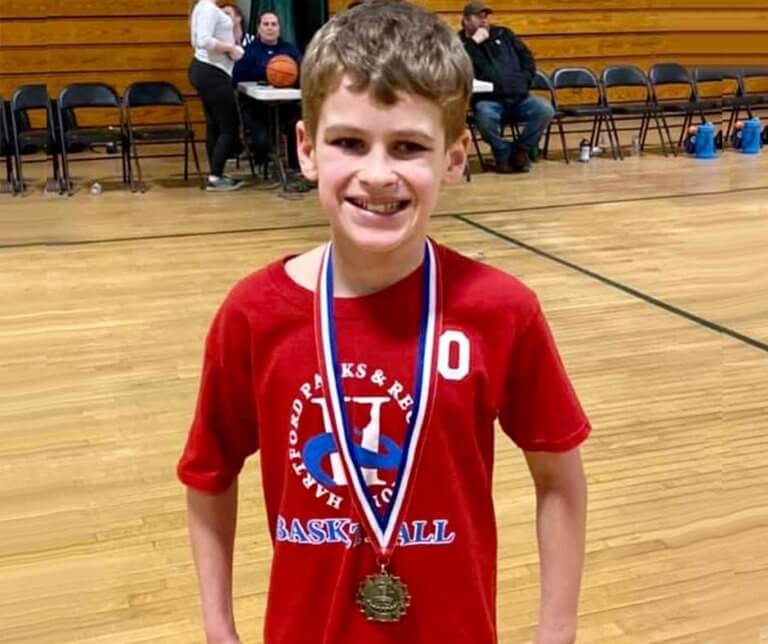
[382, 529]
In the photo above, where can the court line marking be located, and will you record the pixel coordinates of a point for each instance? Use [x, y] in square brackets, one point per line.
[649, 299]
[441, 215]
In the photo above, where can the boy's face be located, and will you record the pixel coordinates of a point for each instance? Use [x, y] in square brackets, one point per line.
[379, 168]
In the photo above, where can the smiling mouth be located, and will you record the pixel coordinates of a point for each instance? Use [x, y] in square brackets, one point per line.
[384, 208]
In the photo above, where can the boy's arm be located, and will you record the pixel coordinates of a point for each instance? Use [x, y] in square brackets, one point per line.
[212, 519]
[561, 506]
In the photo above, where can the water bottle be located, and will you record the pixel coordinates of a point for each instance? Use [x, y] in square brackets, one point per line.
[705, 141]
[750, 136]
[95, 188]
[585, 151]
[636, 145]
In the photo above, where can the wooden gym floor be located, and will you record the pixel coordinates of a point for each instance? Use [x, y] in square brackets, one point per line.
[653, 273]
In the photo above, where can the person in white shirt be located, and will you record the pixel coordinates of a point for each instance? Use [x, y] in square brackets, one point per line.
[212, 37]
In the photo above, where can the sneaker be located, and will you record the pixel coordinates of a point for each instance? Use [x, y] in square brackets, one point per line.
[223, 184]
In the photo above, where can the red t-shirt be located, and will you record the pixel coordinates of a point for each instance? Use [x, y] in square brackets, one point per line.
[261, 389]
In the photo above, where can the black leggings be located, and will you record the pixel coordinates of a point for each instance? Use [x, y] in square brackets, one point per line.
[221, 118]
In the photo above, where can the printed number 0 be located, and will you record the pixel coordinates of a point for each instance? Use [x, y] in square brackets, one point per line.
[460, 366]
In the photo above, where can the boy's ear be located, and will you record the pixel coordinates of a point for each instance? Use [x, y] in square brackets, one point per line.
[306, 152]
[456, 158]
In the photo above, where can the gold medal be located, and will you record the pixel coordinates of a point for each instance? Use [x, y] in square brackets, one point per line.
[383, 597]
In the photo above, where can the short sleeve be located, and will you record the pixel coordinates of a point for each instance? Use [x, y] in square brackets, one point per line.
[224, 431]
[540, 410]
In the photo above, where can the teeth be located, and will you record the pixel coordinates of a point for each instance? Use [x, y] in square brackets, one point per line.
[384, 209]
[381, 209]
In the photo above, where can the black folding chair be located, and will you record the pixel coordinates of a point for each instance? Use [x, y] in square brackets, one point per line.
[754, 85]
[158, 94]
[581, 79]
[6, 149]
[708, 88]
[672, 74]
[31, 140]
[541, 84]
[626, 78]
[751, 76]
[716, 83]
[87, 95]
[736, 98]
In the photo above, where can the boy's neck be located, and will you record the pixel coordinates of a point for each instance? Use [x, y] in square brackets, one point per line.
[357, 273]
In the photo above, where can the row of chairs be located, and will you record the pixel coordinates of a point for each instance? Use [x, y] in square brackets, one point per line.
[605, 102]
[62, 135]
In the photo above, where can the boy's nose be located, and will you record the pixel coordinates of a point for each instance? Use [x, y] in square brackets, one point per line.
[377, 170]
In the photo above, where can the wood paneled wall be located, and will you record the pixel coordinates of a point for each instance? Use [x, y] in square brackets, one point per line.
[57, 42]
[595, 33]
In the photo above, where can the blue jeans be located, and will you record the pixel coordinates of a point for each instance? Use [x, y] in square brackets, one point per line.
[534, 112]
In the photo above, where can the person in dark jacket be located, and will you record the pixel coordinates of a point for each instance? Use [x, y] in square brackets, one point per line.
[253, 67]
[503, 59]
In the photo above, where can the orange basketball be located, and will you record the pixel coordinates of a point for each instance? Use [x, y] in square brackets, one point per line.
[739, 125]
[282, 71]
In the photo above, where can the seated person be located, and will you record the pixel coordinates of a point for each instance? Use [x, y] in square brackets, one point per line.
[503, 59]
[253, 67]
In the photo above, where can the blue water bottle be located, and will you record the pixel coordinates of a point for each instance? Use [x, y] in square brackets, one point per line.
[705, 141]
[750, 137]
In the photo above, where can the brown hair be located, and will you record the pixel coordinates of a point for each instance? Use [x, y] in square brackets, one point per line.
[388, 47]
[236, 8]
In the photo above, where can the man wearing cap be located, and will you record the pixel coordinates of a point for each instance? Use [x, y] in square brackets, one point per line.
[501, 57]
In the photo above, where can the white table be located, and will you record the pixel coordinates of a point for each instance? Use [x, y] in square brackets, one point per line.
[274, 96]
[269, 94]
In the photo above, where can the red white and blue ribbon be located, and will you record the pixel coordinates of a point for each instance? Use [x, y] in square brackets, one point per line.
[382, 528]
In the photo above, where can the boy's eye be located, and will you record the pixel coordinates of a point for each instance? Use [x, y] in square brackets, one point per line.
[408, 148]
[348, 144]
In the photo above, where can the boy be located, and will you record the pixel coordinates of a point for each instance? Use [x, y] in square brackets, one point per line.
[369, 374]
